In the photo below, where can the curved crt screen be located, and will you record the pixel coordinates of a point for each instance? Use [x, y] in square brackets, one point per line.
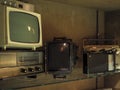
[23, 27]
[59, 56]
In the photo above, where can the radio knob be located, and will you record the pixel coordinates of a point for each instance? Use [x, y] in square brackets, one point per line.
[30, 69]
[23, 70]
[38, 68]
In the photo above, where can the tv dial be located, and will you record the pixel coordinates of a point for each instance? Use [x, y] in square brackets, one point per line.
[23, 70]
[31, 69]
[38, 68]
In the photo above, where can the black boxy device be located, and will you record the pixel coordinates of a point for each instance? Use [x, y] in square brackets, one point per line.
[61, 56]
[98, 63]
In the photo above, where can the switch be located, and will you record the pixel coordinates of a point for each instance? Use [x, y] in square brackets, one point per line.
[23, 70]
[30, 69]
[38, 68]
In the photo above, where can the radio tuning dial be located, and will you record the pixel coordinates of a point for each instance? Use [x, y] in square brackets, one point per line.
[37, 68]
[30, 69]
[23, 70]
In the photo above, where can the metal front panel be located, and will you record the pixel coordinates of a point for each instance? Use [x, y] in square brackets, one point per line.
[117, 61]
[7, 59]
[111, 62]
[29, 58]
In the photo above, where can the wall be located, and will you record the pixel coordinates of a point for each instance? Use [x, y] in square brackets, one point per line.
[101, 24]
[112, 24]
[65, 20]
[112, 30]
[77, 23]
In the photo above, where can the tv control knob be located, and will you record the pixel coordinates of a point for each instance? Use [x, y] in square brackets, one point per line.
[23, 70]
[30, 69]
[38, 68]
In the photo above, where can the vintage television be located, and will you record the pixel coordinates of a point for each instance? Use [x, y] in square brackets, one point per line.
[19, 28]
[61, 56]
[97, 62]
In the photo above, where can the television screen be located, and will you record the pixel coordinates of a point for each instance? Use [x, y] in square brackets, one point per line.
[19, 28]
[59, 56]
[23, 27]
